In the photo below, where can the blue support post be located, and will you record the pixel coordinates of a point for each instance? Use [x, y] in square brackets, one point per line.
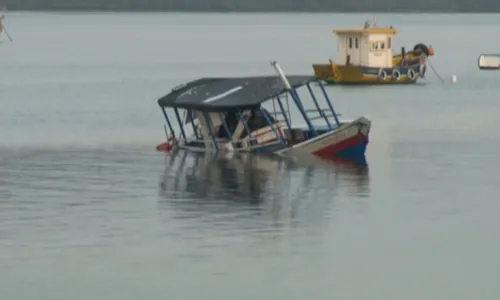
[192, 123]
[242, 120]
[168, 122]
[229, 136]
[297, 101]
[278, 99]
[280, 138]
[180, 123]
[210, 130]
[329, 103]
[247, 129]
[320, 111]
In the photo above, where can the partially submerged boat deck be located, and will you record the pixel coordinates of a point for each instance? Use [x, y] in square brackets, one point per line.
[227, 114]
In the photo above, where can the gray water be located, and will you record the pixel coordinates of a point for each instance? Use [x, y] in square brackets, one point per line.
[88, 209]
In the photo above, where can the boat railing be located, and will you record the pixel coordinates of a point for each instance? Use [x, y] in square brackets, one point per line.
[320, 114]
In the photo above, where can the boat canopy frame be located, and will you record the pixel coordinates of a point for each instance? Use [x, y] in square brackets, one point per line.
[236, 95]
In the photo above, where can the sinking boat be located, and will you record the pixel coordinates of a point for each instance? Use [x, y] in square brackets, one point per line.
[365, 57]
[229, 114]
[489, 62]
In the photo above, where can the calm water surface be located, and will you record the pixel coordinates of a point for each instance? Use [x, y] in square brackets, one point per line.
[88, 210]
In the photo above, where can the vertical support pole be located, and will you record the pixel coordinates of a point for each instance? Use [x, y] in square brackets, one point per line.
[172, 132]
[229, 136]
[274, 107]
[180, 123]
[210, 130]
[329, 103]
[297, 101]
[288, 110]
[320, 111]
[190, 116]
[278, 99]
[242, 120]
[280, 138]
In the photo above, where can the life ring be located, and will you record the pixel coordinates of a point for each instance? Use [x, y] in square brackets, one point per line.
[411, 74]
[382, 74]
[396, 74]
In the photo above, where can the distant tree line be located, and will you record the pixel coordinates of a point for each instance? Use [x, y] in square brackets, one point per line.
[260, 5]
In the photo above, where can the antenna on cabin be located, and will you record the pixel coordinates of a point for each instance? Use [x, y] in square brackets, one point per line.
[2, 25]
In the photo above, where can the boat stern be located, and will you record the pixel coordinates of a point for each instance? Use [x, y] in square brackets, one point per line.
[323, 71]
[348, 142]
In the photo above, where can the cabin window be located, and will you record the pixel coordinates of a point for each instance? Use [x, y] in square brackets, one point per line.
[350, 43]
[356, 41]
[377, 46]
[389, 43]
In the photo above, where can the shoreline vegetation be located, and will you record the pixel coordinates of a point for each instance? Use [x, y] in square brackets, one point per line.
[258, 6]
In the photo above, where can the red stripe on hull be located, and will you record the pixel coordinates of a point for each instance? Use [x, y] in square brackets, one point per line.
[268, 131]
[331, 150]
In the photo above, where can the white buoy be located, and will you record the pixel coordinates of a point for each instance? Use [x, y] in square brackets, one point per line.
[454, 79]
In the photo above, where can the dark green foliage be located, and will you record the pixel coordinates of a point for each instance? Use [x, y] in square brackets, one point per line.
[260, 5]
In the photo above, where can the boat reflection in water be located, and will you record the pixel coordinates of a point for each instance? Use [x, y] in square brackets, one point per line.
[220, 207]
[254, 179]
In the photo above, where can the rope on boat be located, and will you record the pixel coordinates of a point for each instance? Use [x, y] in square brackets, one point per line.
[435, 72]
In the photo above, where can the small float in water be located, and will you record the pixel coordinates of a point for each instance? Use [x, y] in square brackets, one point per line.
[365, 57]
[489, 62]
[227, 115]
